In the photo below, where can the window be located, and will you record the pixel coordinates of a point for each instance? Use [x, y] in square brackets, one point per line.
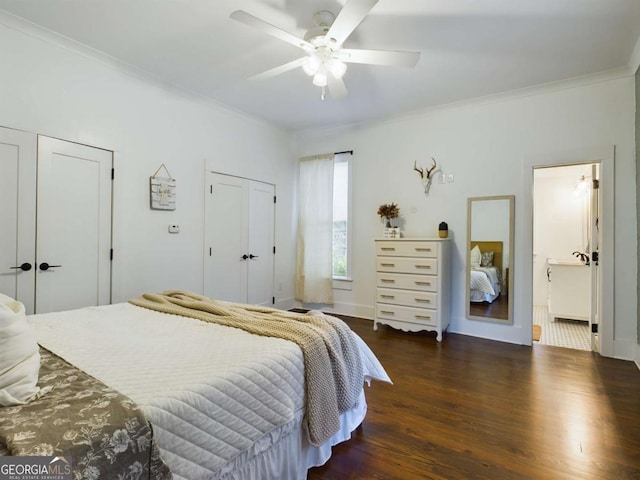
[341, 203]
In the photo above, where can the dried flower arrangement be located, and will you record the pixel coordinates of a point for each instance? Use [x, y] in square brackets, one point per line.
[388, 211]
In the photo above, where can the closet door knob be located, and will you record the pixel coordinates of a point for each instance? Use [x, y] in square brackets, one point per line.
[25, 267]
[251, 255]
[244, 257]
[45, 266]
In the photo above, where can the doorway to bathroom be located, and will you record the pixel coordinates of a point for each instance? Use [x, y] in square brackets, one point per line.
[566, 246]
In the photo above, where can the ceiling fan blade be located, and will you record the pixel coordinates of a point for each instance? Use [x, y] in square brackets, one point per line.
[280, 69]
[336, 87]
[380, 57]
[272, 30]
[348, 19]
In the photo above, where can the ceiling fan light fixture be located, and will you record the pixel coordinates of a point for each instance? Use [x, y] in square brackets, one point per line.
[337, 68]
[320, 78]
[311, 65]
[323, 46]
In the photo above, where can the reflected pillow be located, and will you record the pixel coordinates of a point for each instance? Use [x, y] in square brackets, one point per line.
[486, 259]
[475, 257]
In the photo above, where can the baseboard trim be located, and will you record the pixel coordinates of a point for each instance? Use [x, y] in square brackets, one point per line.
[625, 350]
[352, 310]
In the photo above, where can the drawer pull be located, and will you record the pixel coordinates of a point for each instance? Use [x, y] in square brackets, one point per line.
[428, 284]
[387, 312]
[423, 317]
[388, 264]
[387, 296]
[422, 300]
[423, 266]
[388, 249]
[387, 280]
[422, 249]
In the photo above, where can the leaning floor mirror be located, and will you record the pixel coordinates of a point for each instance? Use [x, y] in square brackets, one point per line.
[490, 258]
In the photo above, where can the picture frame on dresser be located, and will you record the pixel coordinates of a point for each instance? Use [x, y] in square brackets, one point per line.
[413, 284]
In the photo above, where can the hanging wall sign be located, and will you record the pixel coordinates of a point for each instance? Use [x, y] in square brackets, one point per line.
[162, 190]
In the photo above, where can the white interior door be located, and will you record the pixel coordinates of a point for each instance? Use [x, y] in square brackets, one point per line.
[18, 215]
[261, 244]
[73, 226]
[239, 240]
[595, 242]
[226, 238]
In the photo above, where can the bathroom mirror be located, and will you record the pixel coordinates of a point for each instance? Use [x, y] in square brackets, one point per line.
[489, 291]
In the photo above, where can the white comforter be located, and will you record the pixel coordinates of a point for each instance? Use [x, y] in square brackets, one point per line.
[210, 391]
[484, 280]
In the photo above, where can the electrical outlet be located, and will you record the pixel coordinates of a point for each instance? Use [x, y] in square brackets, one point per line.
[450, 178]
[174, 228]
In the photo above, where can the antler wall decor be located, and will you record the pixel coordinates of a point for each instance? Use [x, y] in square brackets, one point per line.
[426, 174]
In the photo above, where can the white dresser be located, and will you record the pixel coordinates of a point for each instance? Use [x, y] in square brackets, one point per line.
[412, 284]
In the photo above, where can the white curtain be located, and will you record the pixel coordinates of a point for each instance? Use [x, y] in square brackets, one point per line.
[314, 269]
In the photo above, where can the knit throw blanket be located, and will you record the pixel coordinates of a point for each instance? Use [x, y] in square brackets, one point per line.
[333, 366]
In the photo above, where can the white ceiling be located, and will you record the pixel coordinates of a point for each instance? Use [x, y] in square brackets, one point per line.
[469, 49]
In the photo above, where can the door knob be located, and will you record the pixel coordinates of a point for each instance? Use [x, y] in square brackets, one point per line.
[45, 266]
[25, 267]
[244, 257]
[251, 255]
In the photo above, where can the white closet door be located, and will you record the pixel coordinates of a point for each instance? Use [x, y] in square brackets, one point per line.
[73, 226]
[226, 240]
[239, 228]
[18, 215]
[261, 243]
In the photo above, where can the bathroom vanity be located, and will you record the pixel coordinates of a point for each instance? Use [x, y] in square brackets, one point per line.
[569, 290]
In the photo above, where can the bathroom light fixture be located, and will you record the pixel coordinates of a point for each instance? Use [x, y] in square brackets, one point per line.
[582, 186]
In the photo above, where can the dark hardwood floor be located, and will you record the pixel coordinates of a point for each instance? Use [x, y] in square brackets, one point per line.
[469, 408]
[499, 308]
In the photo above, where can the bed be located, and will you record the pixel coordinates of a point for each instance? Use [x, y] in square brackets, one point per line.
[485, 272]
[221, 402]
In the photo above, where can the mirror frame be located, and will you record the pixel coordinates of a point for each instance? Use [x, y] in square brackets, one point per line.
[470, 200]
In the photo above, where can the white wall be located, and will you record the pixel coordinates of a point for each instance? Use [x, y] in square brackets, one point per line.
[483, 143]
[53, 90]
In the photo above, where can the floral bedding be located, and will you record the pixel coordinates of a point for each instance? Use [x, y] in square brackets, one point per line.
[103, 431]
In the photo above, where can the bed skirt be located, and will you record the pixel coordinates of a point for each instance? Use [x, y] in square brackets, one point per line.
[287, 454]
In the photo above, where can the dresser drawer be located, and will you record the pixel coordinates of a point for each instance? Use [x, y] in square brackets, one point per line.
[407, 298]
[407, 265]
[407, 248]
[424, 283]
[407, 314]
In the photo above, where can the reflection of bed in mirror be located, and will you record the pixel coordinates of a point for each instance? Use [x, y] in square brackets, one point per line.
[486, 271]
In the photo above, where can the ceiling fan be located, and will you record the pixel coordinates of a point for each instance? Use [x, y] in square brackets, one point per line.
[325, 58]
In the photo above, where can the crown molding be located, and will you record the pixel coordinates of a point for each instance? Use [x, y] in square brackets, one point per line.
[533, 90]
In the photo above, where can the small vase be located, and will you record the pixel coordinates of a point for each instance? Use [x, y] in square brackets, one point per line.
[388, 224]
[443, 230]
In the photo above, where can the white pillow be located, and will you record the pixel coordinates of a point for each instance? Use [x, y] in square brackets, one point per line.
[475, 257]
[19, 355]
